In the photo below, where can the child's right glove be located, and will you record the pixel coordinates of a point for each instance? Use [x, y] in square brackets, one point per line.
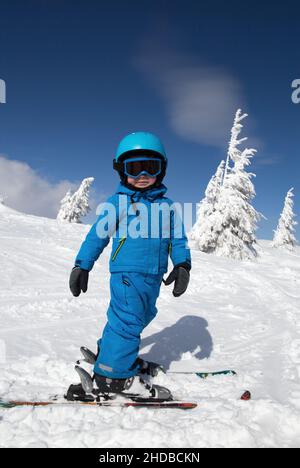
[78, 281]
[181, 275]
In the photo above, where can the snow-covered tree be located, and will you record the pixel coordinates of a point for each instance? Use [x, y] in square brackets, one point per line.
[75, 206]
[234, 151]
[230, 229]
[65, 205]
[284, 235]
[207, 205]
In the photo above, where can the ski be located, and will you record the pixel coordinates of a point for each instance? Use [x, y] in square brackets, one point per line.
[140, 403]
[90, 358]
[204, 375]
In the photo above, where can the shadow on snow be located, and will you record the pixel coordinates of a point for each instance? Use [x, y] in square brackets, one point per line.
[189, 334]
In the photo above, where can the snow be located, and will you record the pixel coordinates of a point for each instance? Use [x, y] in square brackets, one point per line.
[239, 315]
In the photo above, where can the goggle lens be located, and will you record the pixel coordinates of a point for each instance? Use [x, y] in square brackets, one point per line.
[135, 167]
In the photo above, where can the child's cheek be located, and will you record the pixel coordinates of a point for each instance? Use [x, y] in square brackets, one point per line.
[131, 181]
[152, 180]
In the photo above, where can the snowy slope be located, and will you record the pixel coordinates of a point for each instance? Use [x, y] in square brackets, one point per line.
[235, 315]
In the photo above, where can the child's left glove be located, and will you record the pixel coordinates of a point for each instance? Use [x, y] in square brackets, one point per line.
[181, 275]
[79, 281]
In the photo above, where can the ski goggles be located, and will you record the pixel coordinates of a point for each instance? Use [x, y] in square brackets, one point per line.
[136, 167]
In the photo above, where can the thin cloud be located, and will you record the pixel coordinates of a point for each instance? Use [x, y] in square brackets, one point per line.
[200, 101]
[266, 161]
[25, 190]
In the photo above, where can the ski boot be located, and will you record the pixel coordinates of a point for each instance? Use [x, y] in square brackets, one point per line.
[135, 388]
[149, 368]
[100, 387]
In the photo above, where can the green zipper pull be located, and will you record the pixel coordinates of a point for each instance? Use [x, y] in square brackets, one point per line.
[121, 243]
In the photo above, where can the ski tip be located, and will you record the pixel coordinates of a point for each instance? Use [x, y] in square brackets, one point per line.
[189, 405]
[246, 396]
[6, 404]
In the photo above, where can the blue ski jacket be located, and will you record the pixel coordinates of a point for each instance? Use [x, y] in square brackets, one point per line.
[145, 231]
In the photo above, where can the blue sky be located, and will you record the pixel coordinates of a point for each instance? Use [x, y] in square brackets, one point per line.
[82, 74]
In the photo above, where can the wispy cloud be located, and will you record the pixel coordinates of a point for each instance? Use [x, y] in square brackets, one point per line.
[200, 100]
[28, 192]
[265, 160]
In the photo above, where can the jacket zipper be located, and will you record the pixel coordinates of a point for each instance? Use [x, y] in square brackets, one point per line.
[121, 243]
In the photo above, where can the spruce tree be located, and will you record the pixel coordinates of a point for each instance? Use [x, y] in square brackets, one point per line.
[230, 228]
[201, 229]
[76, 206]
[284, 235]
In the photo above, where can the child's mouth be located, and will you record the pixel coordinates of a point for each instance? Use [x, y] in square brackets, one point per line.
[143, 181]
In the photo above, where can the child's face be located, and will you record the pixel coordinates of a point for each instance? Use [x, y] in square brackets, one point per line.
[141, 182]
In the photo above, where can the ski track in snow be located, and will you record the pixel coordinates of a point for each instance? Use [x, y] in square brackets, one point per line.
[243, 316]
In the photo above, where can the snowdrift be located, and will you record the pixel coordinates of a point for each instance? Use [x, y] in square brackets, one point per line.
[236, 315]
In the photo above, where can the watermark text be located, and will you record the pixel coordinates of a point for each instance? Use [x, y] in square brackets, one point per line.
[296, 92]
[139, 220]
[2, 92]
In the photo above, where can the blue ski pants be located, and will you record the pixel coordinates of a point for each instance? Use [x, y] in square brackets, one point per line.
[132, 307]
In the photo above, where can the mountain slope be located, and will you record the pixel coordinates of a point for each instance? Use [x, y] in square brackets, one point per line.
[234, 315]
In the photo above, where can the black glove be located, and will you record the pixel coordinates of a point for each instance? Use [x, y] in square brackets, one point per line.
[181, 275]
[78, 281]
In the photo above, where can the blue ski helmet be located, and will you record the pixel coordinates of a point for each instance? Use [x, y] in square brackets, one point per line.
[140, 144]
[140, 141]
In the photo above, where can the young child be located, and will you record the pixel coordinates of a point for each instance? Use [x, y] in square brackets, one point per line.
[137, 264]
